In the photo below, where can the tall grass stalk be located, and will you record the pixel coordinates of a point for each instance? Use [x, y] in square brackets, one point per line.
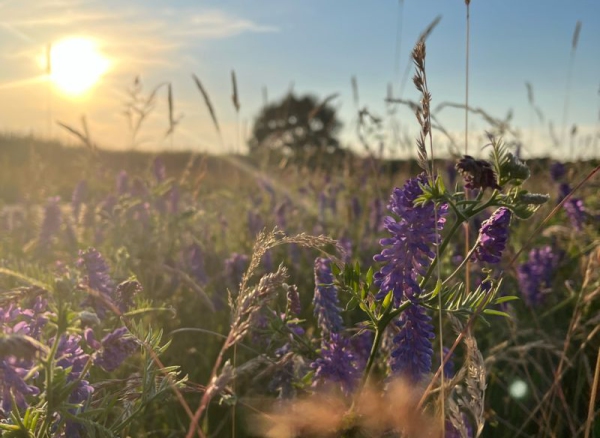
[565, 117]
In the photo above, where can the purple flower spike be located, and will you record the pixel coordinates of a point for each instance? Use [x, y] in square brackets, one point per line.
[409, 252]
[413, 352]
[116, 347]
[12, 374]
[98, 278]
[325, 300]
[493, 236]
[71, 356]
[557, 171]
[376, 215]
[79, 195]
[336, 365]
[574, 207]
[51, 222]
[195, 260]
[159, 169]
[235, 266]
[122, 182]
[535, 275]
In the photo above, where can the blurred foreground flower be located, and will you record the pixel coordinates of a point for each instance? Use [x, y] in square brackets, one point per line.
[375, 414]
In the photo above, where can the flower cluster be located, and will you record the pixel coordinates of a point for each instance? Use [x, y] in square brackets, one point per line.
[116, 347]
[535, 275]
[27, 339]
[573, 206]
[413, 351]
[409, 251]
[493, 236]
[325, 300]
[336, 364]
[98, 280]
[17, 351]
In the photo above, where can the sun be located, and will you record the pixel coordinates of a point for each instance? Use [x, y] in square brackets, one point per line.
[75, 65]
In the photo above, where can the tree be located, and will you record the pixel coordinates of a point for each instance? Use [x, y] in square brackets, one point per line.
[299, 128]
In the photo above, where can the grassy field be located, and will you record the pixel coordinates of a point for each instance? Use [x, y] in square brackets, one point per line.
[108, 257]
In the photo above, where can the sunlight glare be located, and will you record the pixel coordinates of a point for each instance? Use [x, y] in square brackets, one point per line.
[76, 65]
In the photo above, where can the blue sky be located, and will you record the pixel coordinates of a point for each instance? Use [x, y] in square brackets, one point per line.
[314, 46]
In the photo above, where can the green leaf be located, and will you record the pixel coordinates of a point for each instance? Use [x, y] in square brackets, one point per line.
[437, 289]
[388, 299]
[496, 313]
[364, 292]
[370, 274]
[505, 299]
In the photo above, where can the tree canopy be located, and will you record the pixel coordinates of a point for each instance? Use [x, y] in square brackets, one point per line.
[300, 128]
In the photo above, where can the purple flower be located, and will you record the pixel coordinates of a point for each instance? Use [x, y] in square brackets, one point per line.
[79, 194]
[574, 207]
[409, 252]
[346, 243]
[280, 216]
[235, 266]
[376, 215]
[336, 364]
[71, 356]
[356, 208]
[12, 375]
[51, 221]
[493, 236]
[322, 206]
[362, 344]
[195, 258]
[98, 279]
[159, 169]
[413, 351]
[122, 182]
[282, 380]
[90, 339]
[173, 197]
[255, 223]
[557, 171]
[535, 275]
[325, 300]
[116, 347]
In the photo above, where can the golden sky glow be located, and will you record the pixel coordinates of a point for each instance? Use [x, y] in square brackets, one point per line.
[76, 65]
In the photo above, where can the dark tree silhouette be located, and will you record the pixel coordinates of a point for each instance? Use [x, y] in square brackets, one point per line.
[299, 128]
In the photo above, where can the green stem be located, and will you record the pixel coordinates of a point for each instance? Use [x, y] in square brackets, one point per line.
[49, 368]
[443, 246]
[383, 322]
[371, 360]
[464, 262]
[461, 217]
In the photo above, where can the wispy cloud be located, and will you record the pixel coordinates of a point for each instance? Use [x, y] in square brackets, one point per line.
[216, 24]
[136, 32]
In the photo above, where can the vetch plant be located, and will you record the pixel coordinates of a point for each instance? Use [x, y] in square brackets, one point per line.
[52, 367]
